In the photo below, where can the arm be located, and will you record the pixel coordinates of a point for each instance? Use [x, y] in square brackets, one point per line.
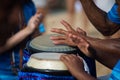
[63, 39]
[99, 18]
[14, 40]
[106, 51]
[21, 35]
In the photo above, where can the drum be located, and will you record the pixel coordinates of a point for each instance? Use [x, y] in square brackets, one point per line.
[44, 44]
[45, 66]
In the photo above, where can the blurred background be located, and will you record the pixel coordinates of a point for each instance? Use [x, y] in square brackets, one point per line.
[71, 11]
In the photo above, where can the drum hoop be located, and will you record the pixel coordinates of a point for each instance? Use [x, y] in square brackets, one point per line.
[36, 50]
[43, 59]
[46, 71]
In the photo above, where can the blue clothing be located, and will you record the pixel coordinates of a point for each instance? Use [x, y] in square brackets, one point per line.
[113, 14]
[41, 28]
[30, 10]
[5, 58]
[40, 76]
[116, 72]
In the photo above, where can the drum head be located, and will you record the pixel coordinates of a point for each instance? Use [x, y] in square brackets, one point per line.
[44, 44]
[49, 61]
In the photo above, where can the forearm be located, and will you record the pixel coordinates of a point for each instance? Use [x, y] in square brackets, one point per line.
[14, 40]
[105, 51]
[98, 18]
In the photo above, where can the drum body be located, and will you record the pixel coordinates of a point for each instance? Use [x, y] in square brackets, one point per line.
[45, 66]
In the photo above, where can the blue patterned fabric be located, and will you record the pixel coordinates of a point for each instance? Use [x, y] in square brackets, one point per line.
[39, 76]
[26, 56]
[5, 67]
[116, 72]
[113, 15]
[41, 28]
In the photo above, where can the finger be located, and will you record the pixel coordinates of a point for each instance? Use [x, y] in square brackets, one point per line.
[59, 42]
[70, 35]
[68, 57]
[60, 31]
[64, 58]
[67, 25]
[36, 21]
[58, 37]
[79, 29]
[80, 58]
[81, 39]
[72, 56]
[73, 37]
[39, 17]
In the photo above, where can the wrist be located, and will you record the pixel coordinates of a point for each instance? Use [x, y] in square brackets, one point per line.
[81, 75]
[84, 76]
[28, 30]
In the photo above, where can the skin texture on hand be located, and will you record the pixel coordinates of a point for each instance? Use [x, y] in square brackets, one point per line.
[34, 22]
[71, 37]
[76, 67]
[102, 50]
[75, 63]
[64, 39]
[81, 43]
[21, 35]
[106, 51]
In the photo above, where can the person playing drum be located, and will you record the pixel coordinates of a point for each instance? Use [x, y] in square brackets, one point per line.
[106, 51]
[91, 47]
[18, 20]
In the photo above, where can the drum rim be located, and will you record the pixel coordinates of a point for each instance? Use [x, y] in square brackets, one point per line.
[42, 53]
[31, 49]
[46, 71]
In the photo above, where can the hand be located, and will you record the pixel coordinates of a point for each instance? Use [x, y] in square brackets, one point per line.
[64, 39]
[74, 64]
[34, 22]
[81, 43]
[81, 32]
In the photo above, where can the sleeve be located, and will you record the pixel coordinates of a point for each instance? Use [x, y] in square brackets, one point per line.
[115, 75]
[113, 14]
[30, 10]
